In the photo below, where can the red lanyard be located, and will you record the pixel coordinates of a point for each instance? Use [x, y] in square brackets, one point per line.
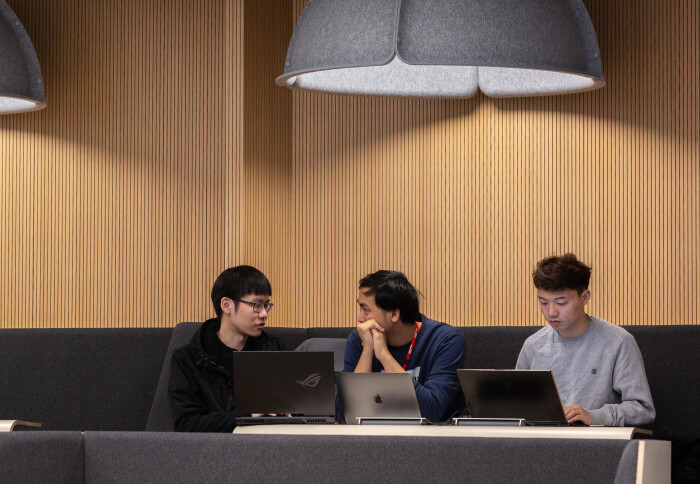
[410, 348]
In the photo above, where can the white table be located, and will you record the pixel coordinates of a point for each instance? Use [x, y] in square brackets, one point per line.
[9, 425]
[502, 432]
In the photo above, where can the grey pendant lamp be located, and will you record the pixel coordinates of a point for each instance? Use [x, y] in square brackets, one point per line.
[21, 84]
[444, 48]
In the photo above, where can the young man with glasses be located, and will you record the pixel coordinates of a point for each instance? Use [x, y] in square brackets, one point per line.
[394, 337]
[597, 366]
[201, 375]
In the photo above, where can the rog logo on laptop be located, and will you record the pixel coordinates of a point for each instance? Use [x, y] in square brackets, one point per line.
[310, 381]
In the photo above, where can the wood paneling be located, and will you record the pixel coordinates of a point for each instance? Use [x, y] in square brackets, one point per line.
[166, 154]
[120, 202]
[267, 221]
[464, 196]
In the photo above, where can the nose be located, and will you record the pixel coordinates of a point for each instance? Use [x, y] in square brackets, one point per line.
[262, 314]
[552, 311]
[361, 317]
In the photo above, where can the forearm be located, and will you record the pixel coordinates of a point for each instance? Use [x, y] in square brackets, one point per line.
[364, 364]
[629, 413]
[388, 362]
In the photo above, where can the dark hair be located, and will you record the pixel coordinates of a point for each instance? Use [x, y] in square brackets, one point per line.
[391, 291]
[556, 273]
[236, 282]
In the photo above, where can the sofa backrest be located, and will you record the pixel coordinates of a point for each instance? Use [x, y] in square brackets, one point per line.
[176, 457]
[160, 417]
[672, 361]
[81, 379]
[494, 347]
[56, 457]
[106, 379]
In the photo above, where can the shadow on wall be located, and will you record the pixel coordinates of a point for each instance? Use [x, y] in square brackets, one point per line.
[139, 80]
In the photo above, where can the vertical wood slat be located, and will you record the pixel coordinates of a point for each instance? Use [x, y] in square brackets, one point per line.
[601, 174]
[157, 164]
[118, 207]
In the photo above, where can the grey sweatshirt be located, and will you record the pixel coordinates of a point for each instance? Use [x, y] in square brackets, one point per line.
[601, 370]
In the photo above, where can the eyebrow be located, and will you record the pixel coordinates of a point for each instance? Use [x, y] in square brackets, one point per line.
[555, 299]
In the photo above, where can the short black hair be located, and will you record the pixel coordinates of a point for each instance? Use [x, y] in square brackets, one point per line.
[391, 291]
[236, 282]
[557, 273]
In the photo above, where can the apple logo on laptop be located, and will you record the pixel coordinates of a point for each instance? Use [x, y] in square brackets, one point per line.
[377, 398]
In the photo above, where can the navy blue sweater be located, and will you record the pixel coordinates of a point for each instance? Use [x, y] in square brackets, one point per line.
[437, 353]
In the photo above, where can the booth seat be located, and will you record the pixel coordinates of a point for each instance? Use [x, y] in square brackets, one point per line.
[101, 397]
[113, 379]
[167, 457]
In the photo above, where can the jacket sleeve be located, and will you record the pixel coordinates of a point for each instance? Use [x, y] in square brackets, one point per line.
[187, 403]
[441, 386]
[353, 350]
[630, 382]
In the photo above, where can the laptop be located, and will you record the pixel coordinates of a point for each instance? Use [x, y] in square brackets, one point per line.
[378, 398]
[511, 397]
[297, 386]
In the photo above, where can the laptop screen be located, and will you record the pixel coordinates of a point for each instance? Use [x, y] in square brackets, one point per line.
[523, 394]
[299, 383]
[377, 395]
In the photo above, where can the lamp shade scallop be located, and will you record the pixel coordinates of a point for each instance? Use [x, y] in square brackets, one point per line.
[21, 83]
[444, 48]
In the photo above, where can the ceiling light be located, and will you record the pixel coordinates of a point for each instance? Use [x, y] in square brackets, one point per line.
[444, 48]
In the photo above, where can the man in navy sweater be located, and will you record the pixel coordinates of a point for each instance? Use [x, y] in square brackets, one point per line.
[394, 337]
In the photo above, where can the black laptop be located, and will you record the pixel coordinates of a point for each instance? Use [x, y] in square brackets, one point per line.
[521, 397]
[297, 386]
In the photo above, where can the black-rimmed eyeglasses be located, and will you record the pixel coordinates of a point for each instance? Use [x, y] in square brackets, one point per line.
[257, 307]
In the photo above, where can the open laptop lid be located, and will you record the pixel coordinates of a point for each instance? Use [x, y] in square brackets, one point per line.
[299, 383]
[378, 395]
[517, 394]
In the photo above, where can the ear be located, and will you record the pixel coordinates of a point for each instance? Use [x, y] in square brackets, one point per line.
[395, 316]
[586, 296]
[227, 305]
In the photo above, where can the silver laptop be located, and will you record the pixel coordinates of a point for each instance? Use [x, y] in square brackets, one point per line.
[296, 386]
[521, 397]
[378, 398]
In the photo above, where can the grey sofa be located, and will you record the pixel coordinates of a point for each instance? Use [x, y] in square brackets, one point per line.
[110, 384]
[106, 379]
[166, 457]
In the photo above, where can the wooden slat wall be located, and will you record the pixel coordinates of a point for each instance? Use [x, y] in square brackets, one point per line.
[267, 220]
[156, 165]
[120, 202]
[465, 196]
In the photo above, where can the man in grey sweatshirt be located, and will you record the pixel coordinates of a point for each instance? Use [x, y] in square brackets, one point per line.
[597, 366]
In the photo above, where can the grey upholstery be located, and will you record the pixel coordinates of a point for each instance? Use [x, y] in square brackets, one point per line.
[627, 468]
[292, 337]
[336, 345]
[672, 362]
[324, 332]
[106, 379]
[173, 457]
[55, 457]
[80, 379]
[160, 418]
[495, 347]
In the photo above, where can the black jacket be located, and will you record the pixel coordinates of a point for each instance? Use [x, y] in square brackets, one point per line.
[201, 391]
